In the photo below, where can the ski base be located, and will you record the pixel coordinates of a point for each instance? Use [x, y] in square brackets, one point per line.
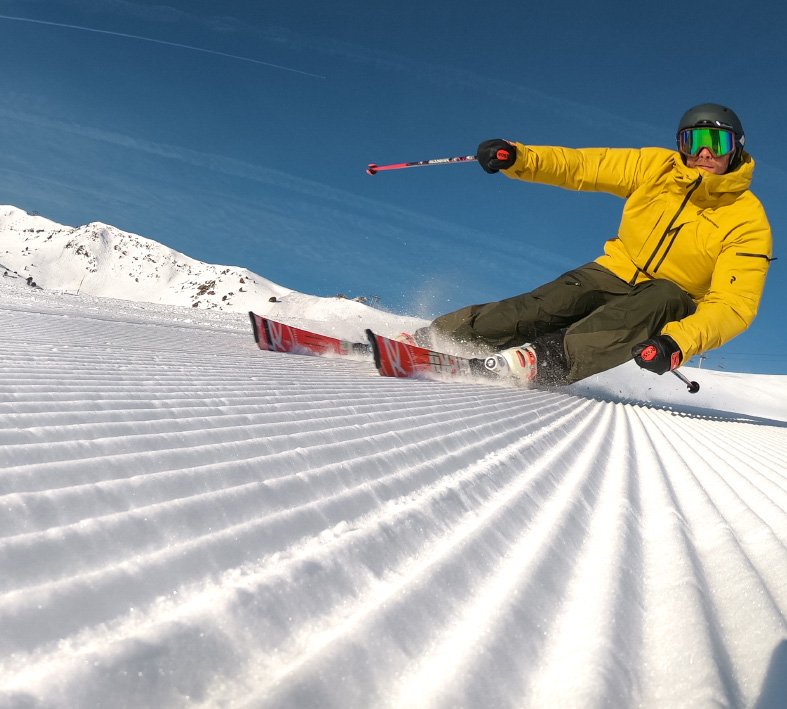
[277, 337]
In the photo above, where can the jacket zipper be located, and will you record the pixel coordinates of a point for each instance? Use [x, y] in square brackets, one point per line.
[765, 256]
[675, 233]
[666, 233]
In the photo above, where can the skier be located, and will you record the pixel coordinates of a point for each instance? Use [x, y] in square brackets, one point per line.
[683, 275]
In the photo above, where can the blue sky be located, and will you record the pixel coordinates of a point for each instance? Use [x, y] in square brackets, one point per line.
[239, 132]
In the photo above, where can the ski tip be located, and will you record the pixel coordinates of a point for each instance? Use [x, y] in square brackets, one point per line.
[372, 169]
[253, 319]
[375, 348]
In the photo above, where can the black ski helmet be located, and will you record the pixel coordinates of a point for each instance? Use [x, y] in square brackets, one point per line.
[714, 115]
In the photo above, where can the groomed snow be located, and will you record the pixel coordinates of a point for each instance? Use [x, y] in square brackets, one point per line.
[186, 520]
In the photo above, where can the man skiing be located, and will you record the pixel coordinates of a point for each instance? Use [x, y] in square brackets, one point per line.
[684, 274]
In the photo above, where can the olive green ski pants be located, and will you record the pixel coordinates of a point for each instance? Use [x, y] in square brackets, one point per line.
[586, 321]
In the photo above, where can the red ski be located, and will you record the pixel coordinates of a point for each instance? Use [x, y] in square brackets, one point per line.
[399, 359]
[278, 337]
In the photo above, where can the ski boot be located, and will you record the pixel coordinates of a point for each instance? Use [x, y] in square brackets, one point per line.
[422, 337]
[518, 363]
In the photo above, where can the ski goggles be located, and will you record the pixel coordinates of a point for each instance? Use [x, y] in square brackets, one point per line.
[719, 142]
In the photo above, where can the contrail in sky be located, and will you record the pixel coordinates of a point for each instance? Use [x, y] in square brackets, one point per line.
[160, 41]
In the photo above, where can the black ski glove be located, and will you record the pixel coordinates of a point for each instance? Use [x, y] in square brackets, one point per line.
[494, 155]
[659, 354]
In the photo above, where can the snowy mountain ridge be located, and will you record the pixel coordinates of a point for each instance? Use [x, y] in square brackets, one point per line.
[101, 260]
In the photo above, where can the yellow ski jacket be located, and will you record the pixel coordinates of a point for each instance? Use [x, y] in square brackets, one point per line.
[707, 233]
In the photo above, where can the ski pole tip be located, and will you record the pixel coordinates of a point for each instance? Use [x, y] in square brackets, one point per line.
[372, 169]
[692, 386]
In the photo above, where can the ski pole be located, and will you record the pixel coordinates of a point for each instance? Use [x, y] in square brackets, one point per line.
[373, 168]
[693, 387]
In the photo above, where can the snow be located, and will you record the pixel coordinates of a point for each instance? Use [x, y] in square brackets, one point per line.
[186, 520]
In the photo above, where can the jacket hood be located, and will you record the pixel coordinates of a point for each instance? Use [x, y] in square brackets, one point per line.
[714, 186]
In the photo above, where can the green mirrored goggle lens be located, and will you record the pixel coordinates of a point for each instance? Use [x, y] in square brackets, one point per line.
[719, 142]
